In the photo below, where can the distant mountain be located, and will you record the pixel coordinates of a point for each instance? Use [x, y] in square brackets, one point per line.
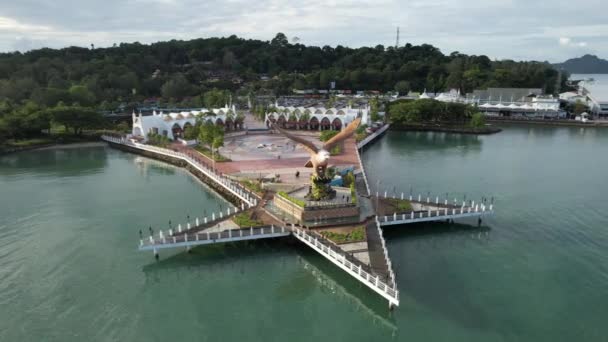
[588, 64]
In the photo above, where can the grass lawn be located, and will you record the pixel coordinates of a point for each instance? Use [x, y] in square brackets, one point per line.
[356, 235]
[253, 186]
[243, 220]
[399, 205]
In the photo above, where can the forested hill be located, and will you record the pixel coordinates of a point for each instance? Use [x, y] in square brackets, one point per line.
[587, 64]
[129, 73]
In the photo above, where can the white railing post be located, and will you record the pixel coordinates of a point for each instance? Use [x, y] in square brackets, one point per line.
[197, 224]
[179, 228]
[205, 220]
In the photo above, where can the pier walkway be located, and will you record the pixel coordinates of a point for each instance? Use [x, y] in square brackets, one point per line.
[242, 193]
[352, 266]
[428, 210]
[160, 241]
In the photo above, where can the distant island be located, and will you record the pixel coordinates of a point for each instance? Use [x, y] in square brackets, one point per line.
[587, 64]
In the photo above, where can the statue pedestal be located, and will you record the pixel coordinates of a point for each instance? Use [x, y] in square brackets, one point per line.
[341, 209]
[320, 189]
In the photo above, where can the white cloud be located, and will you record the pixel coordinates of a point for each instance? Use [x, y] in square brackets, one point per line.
[499, 28]
[569, 43]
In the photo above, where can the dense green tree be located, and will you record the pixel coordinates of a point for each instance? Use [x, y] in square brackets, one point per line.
[428, 110]
[478, 120]
[81, 96]
[75, 118]
[180, 71]
[177, 87]
[216, 98]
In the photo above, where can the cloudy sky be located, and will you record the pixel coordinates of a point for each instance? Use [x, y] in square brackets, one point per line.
[519, 29]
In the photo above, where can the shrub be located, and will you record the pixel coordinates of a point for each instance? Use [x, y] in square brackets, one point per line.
[244, 220]
[326, 135]
[356, 235]
[478, 120]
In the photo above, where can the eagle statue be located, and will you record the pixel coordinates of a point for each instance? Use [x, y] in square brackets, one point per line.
[319, 157]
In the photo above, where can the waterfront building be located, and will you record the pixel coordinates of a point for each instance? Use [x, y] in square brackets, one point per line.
[316, 118]
[172, 125]
[596, 95]
[573, 97]
[515, 102]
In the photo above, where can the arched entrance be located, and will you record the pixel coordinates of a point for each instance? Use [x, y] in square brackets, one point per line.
[229, 124]
[325, 124]
[271, 120]
[314, 123]
[177, 131]
[282, 121]
[336, 124]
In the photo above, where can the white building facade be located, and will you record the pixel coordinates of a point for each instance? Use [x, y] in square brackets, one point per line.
[172, 125]
[316, 118]
[596, 94]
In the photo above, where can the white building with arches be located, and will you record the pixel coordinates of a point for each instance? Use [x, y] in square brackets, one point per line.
[172, 125]
[315, 118]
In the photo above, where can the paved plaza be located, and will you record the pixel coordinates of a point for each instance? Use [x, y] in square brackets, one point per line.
[261, 147]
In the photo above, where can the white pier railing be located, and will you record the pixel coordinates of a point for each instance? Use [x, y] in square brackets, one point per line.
[161, 240]
[372, 136]
[391, 273]
[363, 172]
[233, 187]
[438, 214]
[374, 282]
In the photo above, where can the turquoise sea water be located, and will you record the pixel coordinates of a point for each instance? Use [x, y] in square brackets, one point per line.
[536, 271]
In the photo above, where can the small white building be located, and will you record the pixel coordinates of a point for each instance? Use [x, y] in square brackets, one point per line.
[172, 125]
[316, 118]
[452, 96]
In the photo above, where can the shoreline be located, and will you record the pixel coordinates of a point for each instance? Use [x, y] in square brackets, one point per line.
[559, 123]
[51, 146]
[227, 196]
[446, 129]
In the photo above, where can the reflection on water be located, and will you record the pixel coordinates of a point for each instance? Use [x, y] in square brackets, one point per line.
[435, 140]
[56, 162]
